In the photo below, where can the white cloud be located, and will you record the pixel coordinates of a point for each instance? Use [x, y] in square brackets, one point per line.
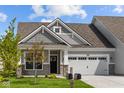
[3, 17]
[57, 11]
[118, 9]
[46, 20]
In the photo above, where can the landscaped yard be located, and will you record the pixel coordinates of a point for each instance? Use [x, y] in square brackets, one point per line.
[28, 82]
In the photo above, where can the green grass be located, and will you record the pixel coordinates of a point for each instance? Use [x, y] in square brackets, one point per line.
[28, 82]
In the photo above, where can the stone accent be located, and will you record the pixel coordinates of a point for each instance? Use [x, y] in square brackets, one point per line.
[44, 71]
[19, 72]
[65, 69]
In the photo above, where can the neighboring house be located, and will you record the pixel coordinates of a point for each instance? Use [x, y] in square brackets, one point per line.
[91, 49]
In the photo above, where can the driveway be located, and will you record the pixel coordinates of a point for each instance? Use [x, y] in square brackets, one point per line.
[104, 81]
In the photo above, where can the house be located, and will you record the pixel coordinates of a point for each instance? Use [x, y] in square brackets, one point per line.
[90, 49]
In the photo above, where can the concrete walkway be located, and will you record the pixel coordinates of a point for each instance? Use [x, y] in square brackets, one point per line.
[104, 81]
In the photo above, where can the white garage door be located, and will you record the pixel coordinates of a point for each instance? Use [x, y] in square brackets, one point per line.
[91, 65]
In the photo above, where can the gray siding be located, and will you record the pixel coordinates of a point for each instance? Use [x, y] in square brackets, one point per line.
[44, 37]
[73, 40]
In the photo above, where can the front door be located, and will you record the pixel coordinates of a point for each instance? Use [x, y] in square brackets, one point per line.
[53, 64]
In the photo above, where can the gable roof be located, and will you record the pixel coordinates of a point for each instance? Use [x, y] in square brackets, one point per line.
[86, 31]
[69, 29]
[45, 28]
[115, 24]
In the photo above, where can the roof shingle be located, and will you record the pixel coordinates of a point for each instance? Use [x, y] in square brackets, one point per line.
[114, 24]
[87, 31]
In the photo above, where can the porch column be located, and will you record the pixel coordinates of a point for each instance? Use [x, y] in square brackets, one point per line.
[64, 63]
[19, 61]
[108, 62]
[66, 57]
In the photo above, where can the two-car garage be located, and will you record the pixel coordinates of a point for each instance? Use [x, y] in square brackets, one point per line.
[89, 64]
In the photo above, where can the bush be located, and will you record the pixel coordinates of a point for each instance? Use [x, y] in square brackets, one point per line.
[13, 73]
[3, 79]
[6, 73]
[52, 76]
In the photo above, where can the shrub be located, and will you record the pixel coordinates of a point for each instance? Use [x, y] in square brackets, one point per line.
[52, 76]
[13, 73]
[46, 76]
[6, 73]
[3, 79]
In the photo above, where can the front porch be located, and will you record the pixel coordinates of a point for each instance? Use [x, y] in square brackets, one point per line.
[53, 64]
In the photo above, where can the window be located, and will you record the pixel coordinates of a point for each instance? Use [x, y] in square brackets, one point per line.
[72, 58]
[29, 65]
[82, 58]
[102, 58]
[92, 58]
[30, 62]
[38, 65]
[57, 29]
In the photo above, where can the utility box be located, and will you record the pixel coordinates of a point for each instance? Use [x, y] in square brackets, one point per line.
[69, 76]
[77, 76]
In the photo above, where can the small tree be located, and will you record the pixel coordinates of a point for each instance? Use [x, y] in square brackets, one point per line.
[38, 52]
[9, 51]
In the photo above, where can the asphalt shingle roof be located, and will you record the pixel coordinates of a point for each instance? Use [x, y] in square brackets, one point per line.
[87, 31]
[114, 24]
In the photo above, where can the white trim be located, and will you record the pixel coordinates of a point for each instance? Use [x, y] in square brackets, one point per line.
[79, 37]
[66, 57]
[57, 61]
[60, 47]
[108, 59]
[55, 27]
[49, 31]
[92, 49]
[60, 39]
[61, 57]
[111, 63]
[33, 63]
[30, 35]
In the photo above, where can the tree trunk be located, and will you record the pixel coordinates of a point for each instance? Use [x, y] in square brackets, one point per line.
[35, 77]
[35, 73]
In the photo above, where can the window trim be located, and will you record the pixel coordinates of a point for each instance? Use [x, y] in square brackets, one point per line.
[59, 27]
[33, 63]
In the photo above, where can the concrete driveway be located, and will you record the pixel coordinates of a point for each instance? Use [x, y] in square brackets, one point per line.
[104, 81]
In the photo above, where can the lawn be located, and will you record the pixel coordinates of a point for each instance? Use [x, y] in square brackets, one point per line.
[28, 82]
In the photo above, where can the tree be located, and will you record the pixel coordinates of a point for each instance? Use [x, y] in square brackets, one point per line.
[9, 50]
[38, 53]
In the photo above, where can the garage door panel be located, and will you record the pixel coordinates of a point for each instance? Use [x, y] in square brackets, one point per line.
[101, 68]
[89, 66]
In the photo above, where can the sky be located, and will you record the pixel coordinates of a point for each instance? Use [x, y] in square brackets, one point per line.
[47, 13]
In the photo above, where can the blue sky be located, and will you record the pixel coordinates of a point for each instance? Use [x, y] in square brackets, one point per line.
[77, 14]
